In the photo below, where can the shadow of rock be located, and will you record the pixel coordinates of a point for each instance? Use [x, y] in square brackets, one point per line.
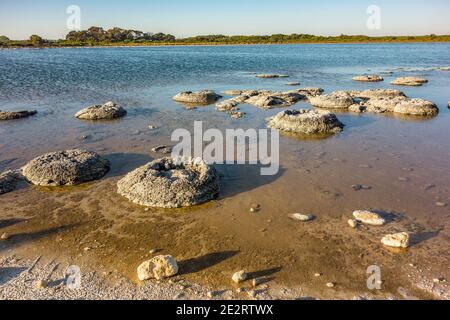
[123, 163]
[420, 237]
[204, 262]
[10, 222]
[236, 179]
[264, 274]
[9, 273]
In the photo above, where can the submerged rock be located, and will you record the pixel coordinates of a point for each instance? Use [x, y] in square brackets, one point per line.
[409, 81]
[270, 76]
[70, 167]
[292, 83]
[201, 97]
[416, 107]
[335, 100]
[12, 115]
[368, 217]
[8, 181]
[107, 111]
[171, 183]
[306, 122]
[398, 240]
[368, 78]
[158, 268]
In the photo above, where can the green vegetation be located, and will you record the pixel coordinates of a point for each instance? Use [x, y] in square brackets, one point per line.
[97, 36]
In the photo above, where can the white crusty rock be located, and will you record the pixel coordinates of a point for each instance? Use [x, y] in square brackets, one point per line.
[12, 115]
[369, 217]
[368, 78]
[335, 100]
[107, 111]
[8, 180]
[158, 268]
[171, 183]
[199, 97]
[306, 122]
[398, 240]
[302, 217]
[377, 94]
[409, 81]
[69, 167]
[382, 105]
[416, 107]
[239, 276]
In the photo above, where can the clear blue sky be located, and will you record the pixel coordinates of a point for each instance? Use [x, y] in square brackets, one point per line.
[20, 18]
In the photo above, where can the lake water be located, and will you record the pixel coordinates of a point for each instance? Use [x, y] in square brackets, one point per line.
[405, 161]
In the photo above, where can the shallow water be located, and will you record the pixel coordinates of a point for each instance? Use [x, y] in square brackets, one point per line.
[397, 157]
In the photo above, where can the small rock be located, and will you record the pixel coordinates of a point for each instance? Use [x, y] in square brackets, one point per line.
[257, 281]
[152, 127]
[240, 290]
[358, 187]
[353, 223]
[255, 208]
[398, 240]
[4, 236]
[368, 217]
[441, 204]
[159, 267]
[331, 284]
[252, 293]
[239, 277]
[41, 284]
[179, 295]
[317, 275]
[153, 251]
[302, 217]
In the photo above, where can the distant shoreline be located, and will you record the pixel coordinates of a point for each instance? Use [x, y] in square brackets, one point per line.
[202, 44]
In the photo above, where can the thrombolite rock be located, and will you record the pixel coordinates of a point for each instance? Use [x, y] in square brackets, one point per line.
[158, 268]
[306, 122]
[12, 115]
[368, 78]
[269, 100]
[398, 240]
[309, 92]
[416, 107]
[239, 276]
[369, 217]
[171, 183]
[335, 100]
[377, 94]
[201, 97]
[382, 105]
[271, 76]
[227, 105]
[69, 167]
[8, 180]
[409, 81]
[106, 111]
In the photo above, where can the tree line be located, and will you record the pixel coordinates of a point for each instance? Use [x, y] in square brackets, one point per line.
[97, 36]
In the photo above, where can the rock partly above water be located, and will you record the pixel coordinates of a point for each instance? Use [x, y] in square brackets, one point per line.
[70, 167]
[306, 122]
[398, 240]
[107, 111]
[368, 78]
[171, 183]
[8, 181]
[335, 100]
[368, 217]
[158, 268]
[416, 107]
[12, 115]
[409, 81]
[377, 94]
[199, 97]
[271, 76]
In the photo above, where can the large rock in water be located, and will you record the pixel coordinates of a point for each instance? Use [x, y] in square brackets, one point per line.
[8, 181]
[70, 167]
[368, 78]
[12, 115]
[416, 107]
[306, 122]
[200, 97]
[398, 240]
[409, 81]
[335, 100]
[377, 94]
[158, 268]
[382, 105]
[368, 217]
[107, 111]
[171, 183]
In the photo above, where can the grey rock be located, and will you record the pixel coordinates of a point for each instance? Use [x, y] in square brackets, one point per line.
[107, 111]
[199, 97]
[12, 115]
[335, 100]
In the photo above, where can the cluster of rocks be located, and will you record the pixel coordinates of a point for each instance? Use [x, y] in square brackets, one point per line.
[397, 240]
[171, 183]
[306, 122]
[376, 101]
[12, 115]
[107, 111]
